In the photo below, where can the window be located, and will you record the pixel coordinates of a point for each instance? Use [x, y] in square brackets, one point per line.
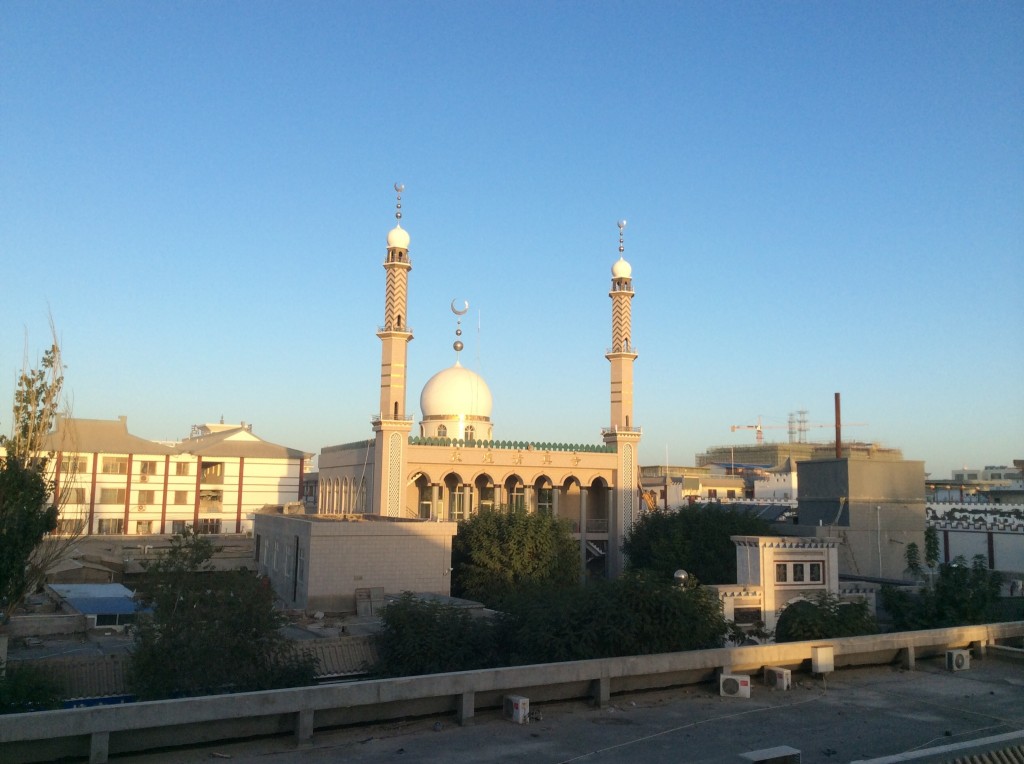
[712, 493]
[731, 493]
[108, 526]
[210, 501]
[747, 615]
[112, 496]
[147, 468]
[544, 500]
[213, 472]
[442, 431]
[179, 526]
[517, 497]
[806, 573]
[181, 497]
[69, 527]
[78, 464]
[146, 497]
[115, 465]
[74, 495]
[208, 525]
[144, 527]
[181, 468]
[470, 432]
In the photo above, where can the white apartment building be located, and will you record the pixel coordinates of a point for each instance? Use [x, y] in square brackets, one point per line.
[110, 482]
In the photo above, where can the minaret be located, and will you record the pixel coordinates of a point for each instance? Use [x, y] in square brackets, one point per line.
[392, 425]
[622, 434]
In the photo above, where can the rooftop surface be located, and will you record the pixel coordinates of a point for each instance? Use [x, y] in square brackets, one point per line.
[853, 714]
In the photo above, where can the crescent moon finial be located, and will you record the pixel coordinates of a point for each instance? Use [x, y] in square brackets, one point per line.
[465, 308]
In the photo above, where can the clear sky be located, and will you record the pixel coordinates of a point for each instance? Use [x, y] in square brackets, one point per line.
[821, 197]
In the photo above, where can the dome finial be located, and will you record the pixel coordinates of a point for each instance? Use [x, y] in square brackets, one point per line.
[622, 269]
[622, 227]
[457, 345]
[399, 188]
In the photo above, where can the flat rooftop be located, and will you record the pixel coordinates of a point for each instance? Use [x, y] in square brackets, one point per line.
[853, 714]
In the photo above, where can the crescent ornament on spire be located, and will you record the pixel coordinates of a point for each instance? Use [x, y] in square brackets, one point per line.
[465, 308]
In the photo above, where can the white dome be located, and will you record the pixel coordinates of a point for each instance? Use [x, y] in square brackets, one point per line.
[455, 392]
[622, 269]
[398, 238]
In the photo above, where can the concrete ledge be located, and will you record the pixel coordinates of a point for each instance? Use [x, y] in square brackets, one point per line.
[99, 731]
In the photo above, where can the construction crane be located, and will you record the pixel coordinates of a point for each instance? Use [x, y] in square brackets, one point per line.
[760, 428]
[798, 426]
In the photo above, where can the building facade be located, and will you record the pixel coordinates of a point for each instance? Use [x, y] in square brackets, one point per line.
[110, 482]
[454, 465]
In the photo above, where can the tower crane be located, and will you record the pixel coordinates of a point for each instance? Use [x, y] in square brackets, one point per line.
[760, 428]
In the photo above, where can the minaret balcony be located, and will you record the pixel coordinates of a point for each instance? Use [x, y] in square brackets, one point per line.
[619, 428]
[402, 329]
[624, 347]
[378, 418]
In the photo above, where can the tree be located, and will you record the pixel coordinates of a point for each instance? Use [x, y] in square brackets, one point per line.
[420, 637]
[27, 511]
[209, 632]
[27, 688]
[500, 550]
[696, 539]
[960, 595]
[825, 617]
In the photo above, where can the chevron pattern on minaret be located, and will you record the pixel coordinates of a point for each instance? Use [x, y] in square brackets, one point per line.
[621, 323]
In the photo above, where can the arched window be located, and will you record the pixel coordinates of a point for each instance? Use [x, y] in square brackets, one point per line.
[470, 432]
[442, 431]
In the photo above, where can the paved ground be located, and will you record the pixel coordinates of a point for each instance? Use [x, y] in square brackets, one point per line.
[854, 714]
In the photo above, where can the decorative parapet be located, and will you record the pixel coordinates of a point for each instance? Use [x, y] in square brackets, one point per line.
[970, 516]
[512, 445]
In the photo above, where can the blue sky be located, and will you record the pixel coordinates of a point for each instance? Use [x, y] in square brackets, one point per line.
[821, 197]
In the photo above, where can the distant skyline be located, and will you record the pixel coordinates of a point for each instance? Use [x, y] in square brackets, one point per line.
[821, 197]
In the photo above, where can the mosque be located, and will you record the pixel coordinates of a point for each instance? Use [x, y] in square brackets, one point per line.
[453, 465]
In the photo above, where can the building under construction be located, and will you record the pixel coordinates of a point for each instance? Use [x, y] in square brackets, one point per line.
[769, 455]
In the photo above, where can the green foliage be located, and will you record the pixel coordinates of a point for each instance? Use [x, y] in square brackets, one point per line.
[499, 551]
[26, 688]
[209, 632]
[912, 554]
[26, 516]
[428, 638]
[826, 617]
[26, 513]
[634, 615]
[960, 595]
[695, 539]
[931, 546]
[638, 614]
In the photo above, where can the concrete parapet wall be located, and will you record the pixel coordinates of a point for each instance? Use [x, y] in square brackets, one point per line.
[98, 731]
[46, 625]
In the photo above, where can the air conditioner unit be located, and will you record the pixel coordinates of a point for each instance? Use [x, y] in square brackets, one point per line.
[958, 660]
[734, 685]
[142, 508]
[778, 678]
[143, 478]
[516, 709]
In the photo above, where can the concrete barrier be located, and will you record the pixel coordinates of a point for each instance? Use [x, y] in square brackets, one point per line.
[100, 731]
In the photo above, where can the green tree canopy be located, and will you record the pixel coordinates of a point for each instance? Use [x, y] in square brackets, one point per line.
[209, 631]
[694, 538]
[26, 512]
[498, 551]
[825, 617]
[961, 594]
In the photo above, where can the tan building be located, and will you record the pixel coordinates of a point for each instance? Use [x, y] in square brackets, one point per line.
[876, 508]
[454, 466]
[114, 483]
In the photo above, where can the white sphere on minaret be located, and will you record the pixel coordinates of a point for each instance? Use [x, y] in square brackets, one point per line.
[622, 269]
[398, 238]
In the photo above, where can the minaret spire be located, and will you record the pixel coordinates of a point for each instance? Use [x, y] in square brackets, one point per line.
[623, 434]
[395, 334]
